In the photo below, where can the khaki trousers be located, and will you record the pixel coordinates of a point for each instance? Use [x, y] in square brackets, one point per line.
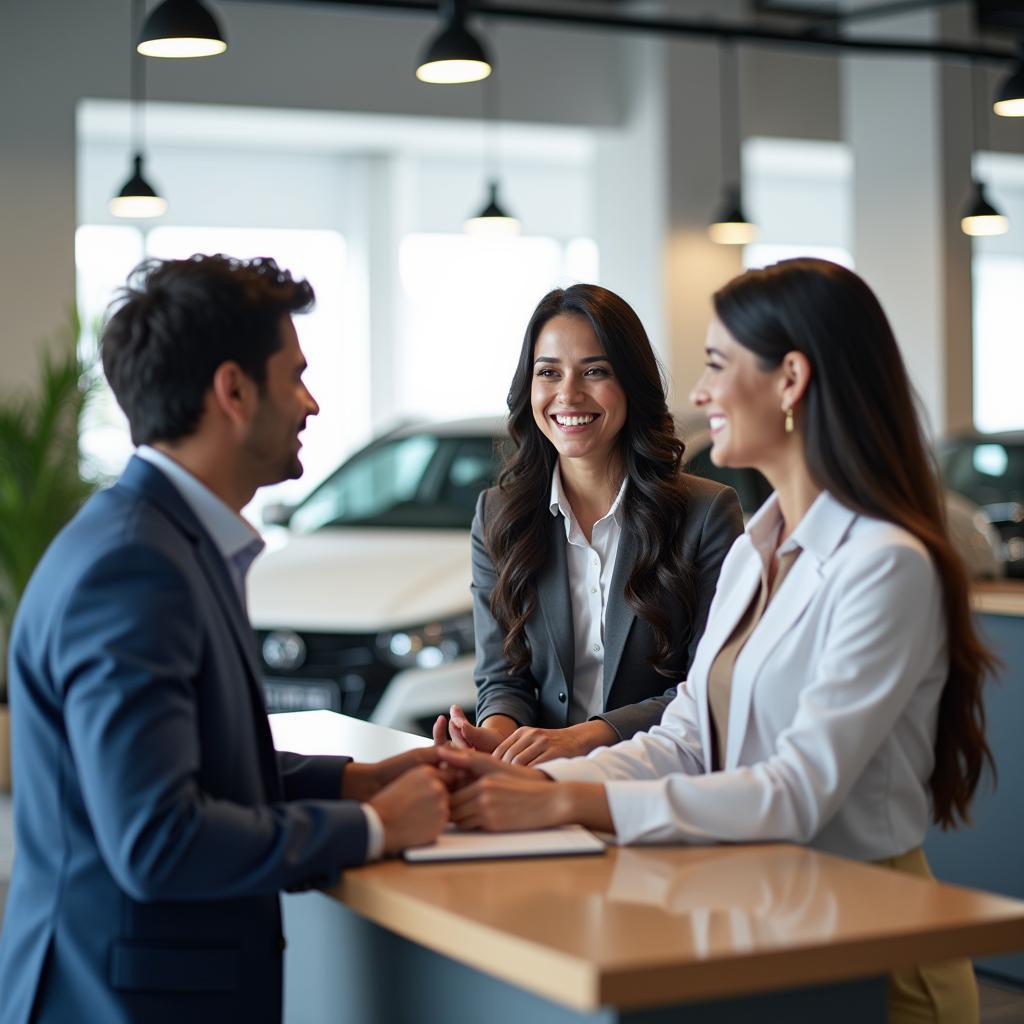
[944, 993]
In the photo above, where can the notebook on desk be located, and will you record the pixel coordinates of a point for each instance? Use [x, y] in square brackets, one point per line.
[570, 840]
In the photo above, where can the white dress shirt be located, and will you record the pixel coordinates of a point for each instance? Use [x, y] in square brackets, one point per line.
[590, 566]
[834, 706]
[239, 543]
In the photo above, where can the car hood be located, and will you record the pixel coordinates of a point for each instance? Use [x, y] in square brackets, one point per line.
[361, 580]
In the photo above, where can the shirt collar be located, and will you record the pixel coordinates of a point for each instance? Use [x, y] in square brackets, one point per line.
[558, 502]
[820, 531]
[229, 531]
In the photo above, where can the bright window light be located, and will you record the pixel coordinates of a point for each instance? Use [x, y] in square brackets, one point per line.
[998, 351]
[338, 374]
[466, 304]
[763, 254]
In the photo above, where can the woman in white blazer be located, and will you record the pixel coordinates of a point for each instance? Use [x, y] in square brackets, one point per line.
[835, 696]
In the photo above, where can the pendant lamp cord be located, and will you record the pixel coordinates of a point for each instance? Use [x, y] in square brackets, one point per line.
[138, 79]
[728, 106]
[492, 160]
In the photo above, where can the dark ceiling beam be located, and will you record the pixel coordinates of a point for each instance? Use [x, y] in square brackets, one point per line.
[699, 29]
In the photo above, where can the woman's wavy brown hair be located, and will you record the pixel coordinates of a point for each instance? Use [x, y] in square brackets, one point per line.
[865, 445]
[654, 504]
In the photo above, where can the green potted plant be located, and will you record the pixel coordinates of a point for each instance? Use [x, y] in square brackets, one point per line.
[41, 484]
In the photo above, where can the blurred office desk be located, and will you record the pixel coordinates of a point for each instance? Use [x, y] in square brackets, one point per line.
[731, 933]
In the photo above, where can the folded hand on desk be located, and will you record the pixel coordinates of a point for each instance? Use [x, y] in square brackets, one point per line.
[522, 744]
[499, 797]
[409, 793]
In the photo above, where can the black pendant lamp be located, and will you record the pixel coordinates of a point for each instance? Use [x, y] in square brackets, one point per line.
[1009, 100]
[980, 217]
[454, 55]
[493, 220]
[137, 198]
[730, 224]
[181, 29]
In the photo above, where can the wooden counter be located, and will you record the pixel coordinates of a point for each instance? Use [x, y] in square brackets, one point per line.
[998, 597]
[640, 928]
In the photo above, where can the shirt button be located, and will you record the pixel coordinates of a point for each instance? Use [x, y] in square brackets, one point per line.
[597, 561]
[596, 648]
[561, 696]
[593, 590]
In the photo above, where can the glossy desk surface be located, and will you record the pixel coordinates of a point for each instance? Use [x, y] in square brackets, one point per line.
[999, 597]
[647, 926]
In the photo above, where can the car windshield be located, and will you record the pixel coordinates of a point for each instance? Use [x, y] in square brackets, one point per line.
[421, 480]
[989, 472]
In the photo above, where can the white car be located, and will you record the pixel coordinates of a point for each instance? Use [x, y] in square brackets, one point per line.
[365, 607]
[370, 590]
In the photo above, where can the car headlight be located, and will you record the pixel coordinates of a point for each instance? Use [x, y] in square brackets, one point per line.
[428, 646]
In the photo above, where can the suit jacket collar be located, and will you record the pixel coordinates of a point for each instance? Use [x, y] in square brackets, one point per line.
[819, 534]
[556, 603]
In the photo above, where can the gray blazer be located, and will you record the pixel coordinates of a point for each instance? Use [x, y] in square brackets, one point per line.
[635, 694]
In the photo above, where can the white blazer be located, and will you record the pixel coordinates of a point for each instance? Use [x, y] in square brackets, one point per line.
[834, 703]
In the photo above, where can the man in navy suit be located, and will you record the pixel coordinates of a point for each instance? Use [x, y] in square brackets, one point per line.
[154, 823]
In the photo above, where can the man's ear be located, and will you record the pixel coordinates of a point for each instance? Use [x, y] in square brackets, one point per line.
[796, 378]
[233, 393]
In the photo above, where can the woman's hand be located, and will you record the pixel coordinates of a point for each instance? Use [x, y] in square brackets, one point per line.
[460, 733]
[532, 746]
[500, 797]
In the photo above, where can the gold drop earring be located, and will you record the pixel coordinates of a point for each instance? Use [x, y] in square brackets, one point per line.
[789, 420]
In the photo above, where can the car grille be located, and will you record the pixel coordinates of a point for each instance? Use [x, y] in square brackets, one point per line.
[340, 672]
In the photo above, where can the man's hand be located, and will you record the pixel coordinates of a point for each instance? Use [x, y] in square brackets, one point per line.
[413, 809]
[460, 733]
[532, 746]
[363, 781]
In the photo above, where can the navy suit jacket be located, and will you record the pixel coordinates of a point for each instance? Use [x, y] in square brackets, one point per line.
[154, 823]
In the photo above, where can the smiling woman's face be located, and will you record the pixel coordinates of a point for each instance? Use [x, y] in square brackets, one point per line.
[742, 402]
[578, 403]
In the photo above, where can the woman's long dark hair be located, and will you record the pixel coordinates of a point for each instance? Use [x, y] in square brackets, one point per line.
[654, 504]
[864, 443]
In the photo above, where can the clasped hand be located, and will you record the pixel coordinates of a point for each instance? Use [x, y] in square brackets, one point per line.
[522, 745]
[417, 793]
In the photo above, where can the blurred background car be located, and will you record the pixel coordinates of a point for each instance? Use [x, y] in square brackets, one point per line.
[361, 603]
[988, 469]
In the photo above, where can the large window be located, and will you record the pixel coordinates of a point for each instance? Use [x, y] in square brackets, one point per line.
[798, 193]
[337, 374]
[998, 341]
[466, 303]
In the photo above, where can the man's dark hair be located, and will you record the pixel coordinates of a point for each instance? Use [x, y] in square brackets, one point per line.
[178, 320]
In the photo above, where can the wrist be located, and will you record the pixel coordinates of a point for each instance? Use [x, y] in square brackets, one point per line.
[583, 803]
[359, 782]
[596, 733]
[501, 725]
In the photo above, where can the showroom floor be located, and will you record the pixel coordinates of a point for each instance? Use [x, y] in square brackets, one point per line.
[999, 1004]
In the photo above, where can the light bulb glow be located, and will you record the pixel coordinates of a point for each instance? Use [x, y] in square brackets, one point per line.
[985, 224]
[492, 227]
[138, 207]
[1009, 108]
[732, 232]
[182, 48]
[453, 72]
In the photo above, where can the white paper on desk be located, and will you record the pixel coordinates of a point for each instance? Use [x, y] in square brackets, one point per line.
[569, 840]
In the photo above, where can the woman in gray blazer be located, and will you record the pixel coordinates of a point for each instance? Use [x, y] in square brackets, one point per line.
[595, 557]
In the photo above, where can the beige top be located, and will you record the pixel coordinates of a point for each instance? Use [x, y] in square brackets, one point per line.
[720, 673]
